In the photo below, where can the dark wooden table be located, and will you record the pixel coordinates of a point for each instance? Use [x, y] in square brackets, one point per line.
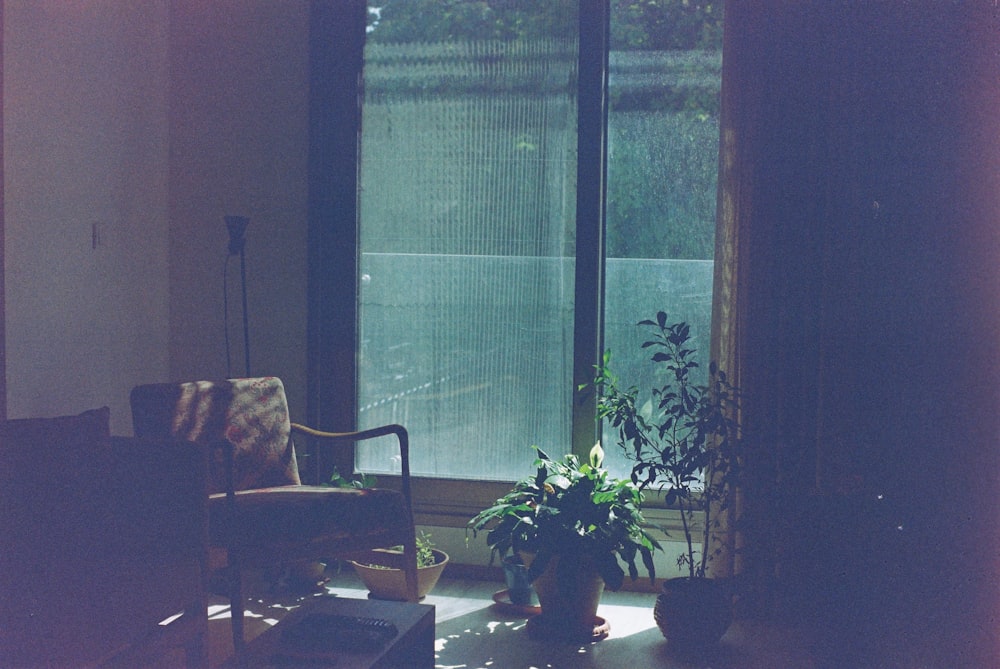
[413, 645]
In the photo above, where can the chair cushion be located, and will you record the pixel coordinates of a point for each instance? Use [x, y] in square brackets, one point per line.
[288, 513]
[250, 414]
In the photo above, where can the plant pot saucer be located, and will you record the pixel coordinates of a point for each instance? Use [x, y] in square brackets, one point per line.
[502, 600]
[540, 627]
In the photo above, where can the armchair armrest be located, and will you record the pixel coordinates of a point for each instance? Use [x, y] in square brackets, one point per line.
[383, 430]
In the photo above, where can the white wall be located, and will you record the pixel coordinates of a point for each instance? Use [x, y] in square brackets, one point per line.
[151, 120]
[85, 143]
[239, 145]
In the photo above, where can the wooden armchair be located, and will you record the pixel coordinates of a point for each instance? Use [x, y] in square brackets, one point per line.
[260, 514]
[104, 539]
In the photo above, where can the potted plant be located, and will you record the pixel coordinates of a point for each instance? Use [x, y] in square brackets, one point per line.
[576, 526]
[381, 569]
[683, 440]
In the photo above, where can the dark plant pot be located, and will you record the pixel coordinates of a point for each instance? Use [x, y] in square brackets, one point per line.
[519, 587]
[693, 613]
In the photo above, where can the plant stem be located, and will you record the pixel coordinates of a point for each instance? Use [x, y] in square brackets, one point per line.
[685, 511]
[708, 524]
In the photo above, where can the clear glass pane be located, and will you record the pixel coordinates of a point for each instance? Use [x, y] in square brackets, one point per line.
[663, 138]
[468, 168]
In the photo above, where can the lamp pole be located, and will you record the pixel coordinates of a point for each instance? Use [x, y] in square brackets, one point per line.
[237, 226]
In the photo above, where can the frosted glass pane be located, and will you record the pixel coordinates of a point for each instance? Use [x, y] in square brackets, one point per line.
[682, 288]
[663, 139]
[471, 354]
[468, 162]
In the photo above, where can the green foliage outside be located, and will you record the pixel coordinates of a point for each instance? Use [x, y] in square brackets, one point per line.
[663, 96]
[654, 25]
[662, 179]
[449, 20]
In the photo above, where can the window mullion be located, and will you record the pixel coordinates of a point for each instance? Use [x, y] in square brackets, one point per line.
[592, 113]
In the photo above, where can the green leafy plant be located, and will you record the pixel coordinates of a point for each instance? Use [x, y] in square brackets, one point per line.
[359, 480]
[574, 509]
[425, 550]
[684, 440]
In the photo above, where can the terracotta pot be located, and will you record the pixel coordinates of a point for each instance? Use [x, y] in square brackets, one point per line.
[573, 613]
[382, 574]
[693, 613]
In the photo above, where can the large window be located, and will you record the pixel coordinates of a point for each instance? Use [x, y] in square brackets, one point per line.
[470, 221]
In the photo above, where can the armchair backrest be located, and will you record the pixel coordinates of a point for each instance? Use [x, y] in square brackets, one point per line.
[249, 414]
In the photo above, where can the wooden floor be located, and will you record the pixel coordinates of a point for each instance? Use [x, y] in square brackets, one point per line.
[473, 633]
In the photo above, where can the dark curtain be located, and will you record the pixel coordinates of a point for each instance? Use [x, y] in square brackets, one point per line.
[858, 308]
[3, 308]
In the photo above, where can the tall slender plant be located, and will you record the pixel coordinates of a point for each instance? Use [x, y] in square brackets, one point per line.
[684, 439]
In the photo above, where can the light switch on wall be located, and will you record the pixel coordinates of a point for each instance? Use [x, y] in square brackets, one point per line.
[97, 232]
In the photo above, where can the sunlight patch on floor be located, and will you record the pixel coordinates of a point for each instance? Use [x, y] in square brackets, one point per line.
[218, 611]
[167, 621]
[627, 620]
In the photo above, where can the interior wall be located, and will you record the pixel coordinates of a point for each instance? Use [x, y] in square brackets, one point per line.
[130, 130]
[239, 145]
[85, 187]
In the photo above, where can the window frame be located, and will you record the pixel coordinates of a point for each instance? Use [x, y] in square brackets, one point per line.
[336, 47]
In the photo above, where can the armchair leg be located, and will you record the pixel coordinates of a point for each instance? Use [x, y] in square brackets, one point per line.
[196, 649]
[236, 612]
[196, 652]
[410, 569]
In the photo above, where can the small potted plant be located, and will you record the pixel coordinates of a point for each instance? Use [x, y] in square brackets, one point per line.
[578, 529]
[683, 440]
[382, 570]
